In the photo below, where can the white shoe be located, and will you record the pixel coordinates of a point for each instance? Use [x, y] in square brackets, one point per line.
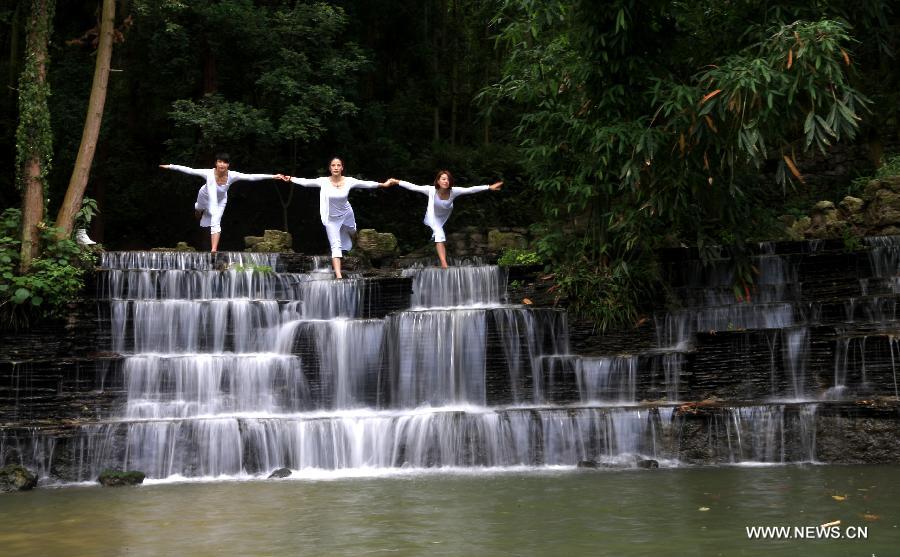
[82, 238]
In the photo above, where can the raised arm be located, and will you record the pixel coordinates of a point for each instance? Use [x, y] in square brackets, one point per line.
[186, 169]
[412, 187]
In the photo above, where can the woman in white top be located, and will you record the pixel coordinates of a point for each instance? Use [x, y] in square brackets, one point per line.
[440, 204]
[334, 208]
[213, 195]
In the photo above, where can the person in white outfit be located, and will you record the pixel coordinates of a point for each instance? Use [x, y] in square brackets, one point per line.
[440, 204]
[213, 195]
[334, 208]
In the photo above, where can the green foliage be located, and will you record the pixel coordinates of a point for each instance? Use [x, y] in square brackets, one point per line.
[513, 256]
[891, 167]
[84, 215]
[852, 242]
[282, 70]
[642, 125]
[608, 295]
[220, 121]
[789, 92]
[55, 279]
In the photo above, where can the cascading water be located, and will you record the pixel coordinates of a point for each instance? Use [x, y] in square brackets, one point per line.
[231, 369]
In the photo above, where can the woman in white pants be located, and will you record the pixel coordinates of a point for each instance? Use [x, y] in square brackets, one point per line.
[440, 205]
[334, 208]
[213, 195]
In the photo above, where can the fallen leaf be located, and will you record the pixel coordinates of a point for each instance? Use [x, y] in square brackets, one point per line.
[527, 301]
[839, 497]
[832, 523]
[703, 509]
[871, 517]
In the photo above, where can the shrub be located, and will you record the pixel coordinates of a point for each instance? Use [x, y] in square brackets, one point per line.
[513, 256]
[56, 276]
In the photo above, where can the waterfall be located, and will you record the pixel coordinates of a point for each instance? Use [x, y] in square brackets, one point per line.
[231, 368]
[774, 433]
[608, 379]
[173, 260]
[231, 365]
[482, 285]
[796, 343]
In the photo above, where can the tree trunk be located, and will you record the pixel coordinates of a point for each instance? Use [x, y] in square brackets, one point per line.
[33, 136]
[65, 219]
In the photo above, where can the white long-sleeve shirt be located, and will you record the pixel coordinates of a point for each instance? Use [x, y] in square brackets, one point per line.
[213, 196]
[438, 210]
[333, 204]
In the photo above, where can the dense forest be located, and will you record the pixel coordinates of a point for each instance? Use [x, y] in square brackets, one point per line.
[618, 126]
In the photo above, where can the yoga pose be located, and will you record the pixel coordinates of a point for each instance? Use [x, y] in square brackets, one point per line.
[334, 208]
[213, 195]
[440, 204]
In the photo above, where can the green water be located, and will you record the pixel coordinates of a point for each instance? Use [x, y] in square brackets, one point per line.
[635, 512]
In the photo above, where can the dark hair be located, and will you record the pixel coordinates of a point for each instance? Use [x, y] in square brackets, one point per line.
[223, 157]
[438, 177]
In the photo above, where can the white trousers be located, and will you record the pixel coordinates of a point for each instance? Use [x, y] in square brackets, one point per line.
[339, 237]
[202, 204]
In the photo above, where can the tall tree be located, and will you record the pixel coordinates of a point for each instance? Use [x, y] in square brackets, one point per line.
[65, 218]
[33, 135]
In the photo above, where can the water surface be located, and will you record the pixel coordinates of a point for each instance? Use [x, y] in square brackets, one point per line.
[551, 512]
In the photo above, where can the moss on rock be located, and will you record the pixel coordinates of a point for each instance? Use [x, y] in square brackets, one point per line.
[115, 478]
[14, 477]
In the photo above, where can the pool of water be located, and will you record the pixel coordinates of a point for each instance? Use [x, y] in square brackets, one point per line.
[689, 511]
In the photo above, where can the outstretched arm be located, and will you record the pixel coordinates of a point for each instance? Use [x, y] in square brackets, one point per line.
[367, 184]
[255, 177]
[185, 169]
[412, 187]
[475, 189]
[305, 182]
